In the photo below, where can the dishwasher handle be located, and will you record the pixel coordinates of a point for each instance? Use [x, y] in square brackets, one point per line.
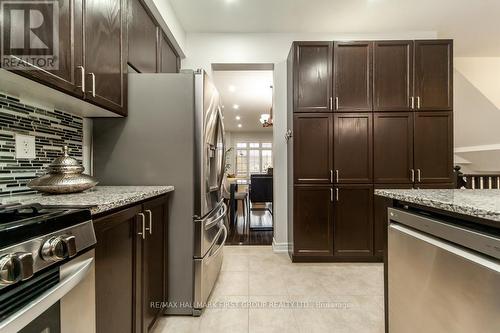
[448, 247]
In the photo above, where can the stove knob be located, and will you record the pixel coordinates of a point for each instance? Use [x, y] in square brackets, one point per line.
[15, 267]
[59, 248]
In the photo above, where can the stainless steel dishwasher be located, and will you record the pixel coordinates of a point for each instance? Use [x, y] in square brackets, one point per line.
[442, 276]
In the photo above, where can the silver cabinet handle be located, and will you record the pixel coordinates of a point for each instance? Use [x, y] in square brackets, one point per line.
[412, 102]
[82, 72]
[143, 227]
[336, 194]
[337, 176]
[93, 84]
[331, 176]
[331, 194]
[412, 175]
[418, 102]
[336, 103]
[288, 135]
[419, 174]
[150, 216]
[330, 105]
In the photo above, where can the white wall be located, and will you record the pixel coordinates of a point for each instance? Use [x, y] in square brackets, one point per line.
[477, 113]
[203, 49]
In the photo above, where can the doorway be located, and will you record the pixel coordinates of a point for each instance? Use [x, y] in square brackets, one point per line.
[246, 92]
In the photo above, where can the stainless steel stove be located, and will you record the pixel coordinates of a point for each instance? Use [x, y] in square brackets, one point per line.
[46, 269]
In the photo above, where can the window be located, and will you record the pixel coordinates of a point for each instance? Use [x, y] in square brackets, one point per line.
[253, 157]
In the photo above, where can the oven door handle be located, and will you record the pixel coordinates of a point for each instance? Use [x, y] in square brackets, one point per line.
[39, 305]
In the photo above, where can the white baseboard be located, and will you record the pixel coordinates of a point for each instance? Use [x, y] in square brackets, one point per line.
[280, 247]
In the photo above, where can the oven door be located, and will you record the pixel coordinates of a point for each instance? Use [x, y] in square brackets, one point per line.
[67, 303]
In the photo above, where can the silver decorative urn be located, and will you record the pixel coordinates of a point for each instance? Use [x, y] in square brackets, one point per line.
[64, 175]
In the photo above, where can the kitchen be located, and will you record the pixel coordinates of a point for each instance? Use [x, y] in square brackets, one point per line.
[387, 108]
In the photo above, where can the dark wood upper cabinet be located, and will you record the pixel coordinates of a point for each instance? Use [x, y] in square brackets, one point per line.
[169, 60]
[433, 75]
[434, 147]
[115, 271]
[353, 232]
[352, 148]
[392, 75]
[352, 76]
[393, 147]
[313, 220]
[154, 260]
[68, 77]
[142, 38]
[312, 148]
[312, 76]
[105, 61]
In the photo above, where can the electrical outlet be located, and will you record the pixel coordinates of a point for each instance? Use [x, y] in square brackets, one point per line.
[25, 146]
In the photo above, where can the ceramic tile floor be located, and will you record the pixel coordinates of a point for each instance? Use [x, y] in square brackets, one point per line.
[262, 291]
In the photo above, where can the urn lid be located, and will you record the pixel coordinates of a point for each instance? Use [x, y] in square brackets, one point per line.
[65, 164]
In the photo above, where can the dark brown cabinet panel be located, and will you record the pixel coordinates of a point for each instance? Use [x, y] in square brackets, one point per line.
[313, 151]
[313, 221]
[154, 258]
[352, 148]
[105, 62]
[353, 231]
[352, 76]
[169, 60]
[68, 77]
[313, 76]
[380, 205]
[434, 75]
[393, 147]
[433, 147]
[392, 75]
[142, 38]
[435, 186]
[115, 271]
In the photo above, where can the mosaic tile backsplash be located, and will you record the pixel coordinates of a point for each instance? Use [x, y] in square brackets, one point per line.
[52, 130]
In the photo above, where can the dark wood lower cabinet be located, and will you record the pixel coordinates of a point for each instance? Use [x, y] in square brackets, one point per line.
[131, 267]
[353, 221]
[313, 221]
[380, 205]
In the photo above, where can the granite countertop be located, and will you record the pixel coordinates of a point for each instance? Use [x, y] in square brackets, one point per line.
[99, 199]
[484, 204]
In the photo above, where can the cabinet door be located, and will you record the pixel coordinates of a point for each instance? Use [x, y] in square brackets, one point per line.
[105, 63]
[352, 76]
[353, 221]
[142, 38]
[434, 75]
[169, 60]
[434, 147]
[313, 148]
[154, 259]
[380, 205]
[313, 221]
[393, 147]
[392, 75]
[313, 76]
[68, 77]
[115, 269]
[352, 150]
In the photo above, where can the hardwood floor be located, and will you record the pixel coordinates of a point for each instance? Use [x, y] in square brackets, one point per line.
[256, 231]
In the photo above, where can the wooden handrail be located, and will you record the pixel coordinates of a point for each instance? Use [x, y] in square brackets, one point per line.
[476, 180]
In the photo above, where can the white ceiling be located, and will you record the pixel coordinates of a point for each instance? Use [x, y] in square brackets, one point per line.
[251, 91]
[472, 23]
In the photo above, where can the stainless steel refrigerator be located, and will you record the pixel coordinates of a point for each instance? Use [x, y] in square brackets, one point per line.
[174, 135]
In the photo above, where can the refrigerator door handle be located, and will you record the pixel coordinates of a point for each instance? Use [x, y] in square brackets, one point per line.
[218, 218]
[216, 252]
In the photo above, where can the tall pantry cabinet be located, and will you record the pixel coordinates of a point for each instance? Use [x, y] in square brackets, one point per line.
[362, 115]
